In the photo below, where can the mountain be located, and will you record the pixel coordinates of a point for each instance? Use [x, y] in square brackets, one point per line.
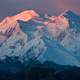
[73, 18]
[72, 39]
[16, 44]
[29, 37]
[10, 25]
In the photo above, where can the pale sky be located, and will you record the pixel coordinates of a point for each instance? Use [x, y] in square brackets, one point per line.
[52, 7]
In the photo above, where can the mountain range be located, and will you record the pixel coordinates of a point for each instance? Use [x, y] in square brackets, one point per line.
[28, 36]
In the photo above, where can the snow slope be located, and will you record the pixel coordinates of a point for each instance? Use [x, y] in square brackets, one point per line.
[29, 37]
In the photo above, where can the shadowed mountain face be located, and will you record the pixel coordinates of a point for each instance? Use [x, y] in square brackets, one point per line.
[46, 46]
[74, 19]
[38, 71]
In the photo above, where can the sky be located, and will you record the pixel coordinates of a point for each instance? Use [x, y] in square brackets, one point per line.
[52, 7]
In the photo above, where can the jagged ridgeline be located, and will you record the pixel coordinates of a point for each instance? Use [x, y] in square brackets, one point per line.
[29, 37]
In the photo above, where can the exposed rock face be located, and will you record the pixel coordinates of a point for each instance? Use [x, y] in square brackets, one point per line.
[32, 37]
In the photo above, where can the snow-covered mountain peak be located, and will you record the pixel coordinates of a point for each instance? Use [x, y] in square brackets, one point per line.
[29, 35]
[25, 15]
[57, 25]
[66, 11]
[10, 22]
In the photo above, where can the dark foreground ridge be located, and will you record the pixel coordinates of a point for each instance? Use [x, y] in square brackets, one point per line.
[38, 71]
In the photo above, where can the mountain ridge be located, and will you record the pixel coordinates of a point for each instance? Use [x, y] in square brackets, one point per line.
[31, 41]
